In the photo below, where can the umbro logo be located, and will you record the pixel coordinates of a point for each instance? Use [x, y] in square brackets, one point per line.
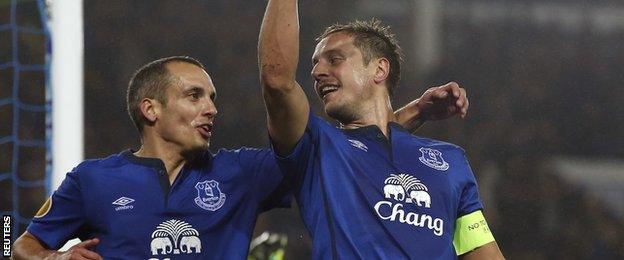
[122, 203]
[358, 144]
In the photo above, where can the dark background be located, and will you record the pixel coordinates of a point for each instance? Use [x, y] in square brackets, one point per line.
[544, 79]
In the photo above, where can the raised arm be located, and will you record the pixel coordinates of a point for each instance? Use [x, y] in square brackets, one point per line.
[436, 103]
[278, 56]
[28, 246]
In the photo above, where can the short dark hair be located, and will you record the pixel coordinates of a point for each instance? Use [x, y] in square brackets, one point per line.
[374, 41]
[151, 81]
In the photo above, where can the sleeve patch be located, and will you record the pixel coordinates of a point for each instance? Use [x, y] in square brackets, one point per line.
[45, 208]
[471, 231]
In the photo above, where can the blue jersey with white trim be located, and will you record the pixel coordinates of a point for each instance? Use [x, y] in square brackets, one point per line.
[209, 211]
[363, 196]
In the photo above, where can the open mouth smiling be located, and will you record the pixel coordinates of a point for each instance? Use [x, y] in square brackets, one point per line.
[326, 89]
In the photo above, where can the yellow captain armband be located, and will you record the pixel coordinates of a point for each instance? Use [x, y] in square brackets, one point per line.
[471, 231]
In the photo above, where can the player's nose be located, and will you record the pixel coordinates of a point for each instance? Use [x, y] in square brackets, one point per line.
[319, 71]
[209, 109]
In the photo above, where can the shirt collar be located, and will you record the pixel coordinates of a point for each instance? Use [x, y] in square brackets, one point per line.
[374, 129]
[158, 163]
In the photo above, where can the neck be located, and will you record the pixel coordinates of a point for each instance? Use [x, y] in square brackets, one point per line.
[378, 112]
[173, 158]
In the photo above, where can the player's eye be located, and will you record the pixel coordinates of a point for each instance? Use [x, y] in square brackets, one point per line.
[194, 96]
[335, 60]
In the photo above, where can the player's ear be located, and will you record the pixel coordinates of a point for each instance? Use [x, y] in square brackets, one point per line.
[382, 69]
[150, 109]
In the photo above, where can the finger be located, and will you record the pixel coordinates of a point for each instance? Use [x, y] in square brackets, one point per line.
[455, 88]
[440, 93]
[90, 243]
[461, 99]
[462, 106]
[465, 109]
[88, 254]
[451, 87]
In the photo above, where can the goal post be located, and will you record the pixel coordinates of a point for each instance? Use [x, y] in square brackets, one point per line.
[66, 26]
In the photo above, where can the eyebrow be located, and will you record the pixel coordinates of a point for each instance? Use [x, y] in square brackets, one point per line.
[326, 54]
[198, 89]
[194, 88]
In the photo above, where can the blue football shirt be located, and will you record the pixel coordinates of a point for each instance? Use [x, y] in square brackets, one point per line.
[209, 212]
[363, 196]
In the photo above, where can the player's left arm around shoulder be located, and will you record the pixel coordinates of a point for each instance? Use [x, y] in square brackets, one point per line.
[436, 103]
[489, 251]
[409, 116]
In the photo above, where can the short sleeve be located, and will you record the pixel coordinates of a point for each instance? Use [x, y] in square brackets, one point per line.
[62, 216]
[269, 185]
[296, 164]
[469, 201]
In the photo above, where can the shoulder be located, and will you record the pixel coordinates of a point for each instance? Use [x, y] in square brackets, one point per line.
[233, 153]
[437, 144]
[444, 156]
[95, 168]
[112, 161]
[90, 173]
[242, 155]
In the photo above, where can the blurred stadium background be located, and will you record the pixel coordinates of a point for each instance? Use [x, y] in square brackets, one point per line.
[544, 133]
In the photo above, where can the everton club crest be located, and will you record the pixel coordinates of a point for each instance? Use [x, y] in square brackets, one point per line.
[209, 196]
[433, 158]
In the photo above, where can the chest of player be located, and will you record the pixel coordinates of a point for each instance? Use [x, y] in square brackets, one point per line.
[397, 173]
[140, 213]
[377, 159]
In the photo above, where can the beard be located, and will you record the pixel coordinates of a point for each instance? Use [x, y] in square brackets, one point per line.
[196, 149]
[344, 113]
[348, 108]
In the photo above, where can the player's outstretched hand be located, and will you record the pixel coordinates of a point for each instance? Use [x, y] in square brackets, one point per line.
[81, 251]
[443, 102]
